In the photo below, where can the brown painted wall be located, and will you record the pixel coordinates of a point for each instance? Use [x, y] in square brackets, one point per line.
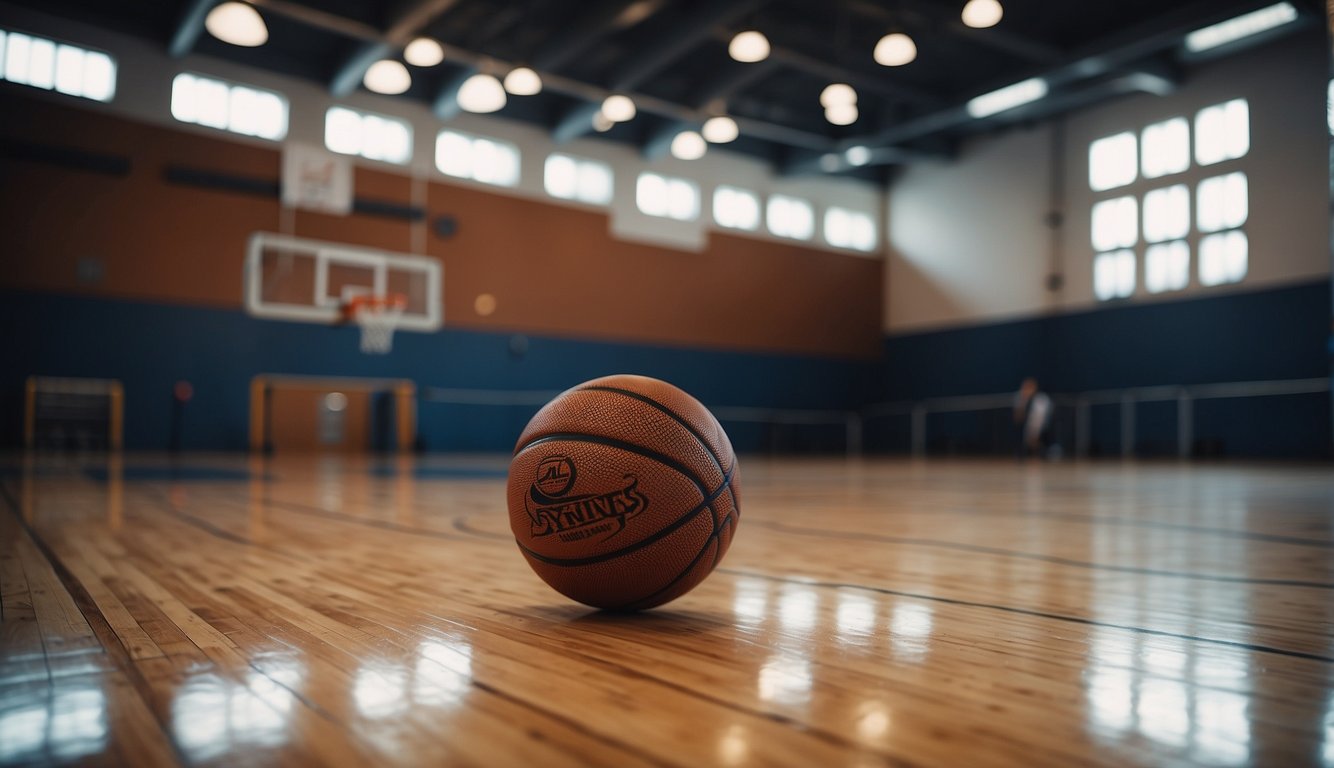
[553, 269]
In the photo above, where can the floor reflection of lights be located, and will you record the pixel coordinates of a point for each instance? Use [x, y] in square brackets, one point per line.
[855, 618]
[910, 631]
[1168, 691]
[68, 725]
[750, 601]
[440, 675]
[798, 608]
[873, 721]
[785, 680]
[211, 715]
[734, 746]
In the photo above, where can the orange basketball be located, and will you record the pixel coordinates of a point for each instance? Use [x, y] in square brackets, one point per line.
[623, 493]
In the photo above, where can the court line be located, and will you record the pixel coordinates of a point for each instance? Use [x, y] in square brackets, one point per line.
[980, 549]
[1031, 612]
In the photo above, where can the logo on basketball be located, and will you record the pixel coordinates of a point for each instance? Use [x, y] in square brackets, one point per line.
[584, 516]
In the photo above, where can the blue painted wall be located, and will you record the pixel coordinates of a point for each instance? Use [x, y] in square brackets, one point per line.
[151, 346]
[1272, 334]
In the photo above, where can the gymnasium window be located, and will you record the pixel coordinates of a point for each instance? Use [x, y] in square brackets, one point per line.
[236, 108]
[489, 161]
[667, 197]
[374, 137]
[46, 64]
[1222, 132]
[1223, 257]
[1112, 162]
[1115, 224]
[849, 229]
[1165, 148]
[1114, 275]
[1167, 266]
[1222, 203]
[576, 178]
[736, 208]
[790, 217]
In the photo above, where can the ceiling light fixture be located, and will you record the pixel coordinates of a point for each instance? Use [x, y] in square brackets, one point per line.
[749, 46]
[895, 50]
[720, 130]
[238, 24]
[858, 155]
[522, 81]
[618, 108]
[689, 145]
[980, 14]
[601, 123]
[1007, 98]
[388, 77]
[481, 93]
[424, 52]
[836, 94]
[841, 114]
[1234, 29]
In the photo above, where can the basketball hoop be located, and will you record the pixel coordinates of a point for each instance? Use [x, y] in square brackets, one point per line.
[377, 316]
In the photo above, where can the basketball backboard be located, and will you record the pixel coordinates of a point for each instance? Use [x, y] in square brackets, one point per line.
[300, 280]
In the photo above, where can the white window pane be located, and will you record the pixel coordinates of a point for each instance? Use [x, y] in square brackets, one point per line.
[1113, 162]
[241, 117]
[1329, 108]
[1222, 202]
[1115, 224]
[99, 76]
[42, 63]
[682, 200]
[736, 208]
[1114, 275]
[1167, 213]
[396, 142]
[3, 47]
[595, 182]
[214, 102]
[453, 154]
[69, 70]
[16, 58]
[495, 163]
[560, 176]
[1222, 132]
[343, 131]
[184, 100]
[272, 120]
[651, 194]
[849, 229]
[1167, 266]
[790, 217]
[1223, 258]
[1166, 148]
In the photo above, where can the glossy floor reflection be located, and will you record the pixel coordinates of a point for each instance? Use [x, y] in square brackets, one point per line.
[345, 611]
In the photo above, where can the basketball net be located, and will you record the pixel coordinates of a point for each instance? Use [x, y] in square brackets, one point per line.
[377, 316]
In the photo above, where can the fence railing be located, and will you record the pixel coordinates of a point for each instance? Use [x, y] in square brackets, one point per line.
[1082, 403]
[853, 422]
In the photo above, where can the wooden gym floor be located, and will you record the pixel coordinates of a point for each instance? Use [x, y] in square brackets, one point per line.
[957, 614]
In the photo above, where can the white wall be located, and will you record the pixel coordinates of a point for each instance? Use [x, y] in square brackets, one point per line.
[968, 244]
[143, 92]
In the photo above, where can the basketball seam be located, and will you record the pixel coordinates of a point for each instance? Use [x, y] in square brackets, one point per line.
[612, 442]
[716, 536]
[674, 416]
[571, 562]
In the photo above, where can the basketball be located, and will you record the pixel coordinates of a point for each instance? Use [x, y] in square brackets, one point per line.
[623, 493]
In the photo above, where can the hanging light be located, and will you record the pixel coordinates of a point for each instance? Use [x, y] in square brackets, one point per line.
[481, 93]
[238, 24]
[720, 130]
[841, 114]
[424, 52]
[618, 108]
[749, 46]
[388, 77]
[980, 14]
[689, 145]
[522, 81]
[858, 155]
[602, 123]
[895, 50]
[837, 93]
